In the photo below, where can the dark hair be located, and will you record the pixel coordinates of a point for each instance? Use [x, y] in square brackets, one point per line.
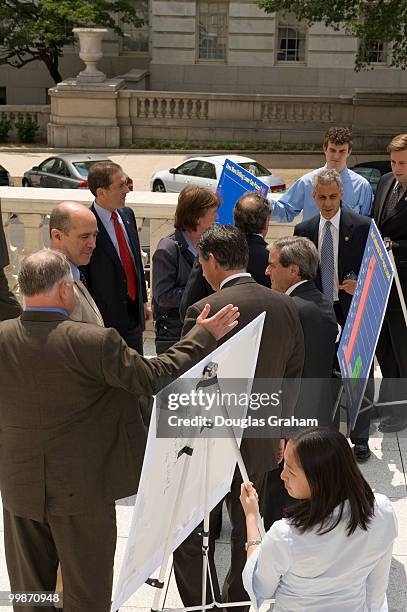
[251, 212]
[60, 219]
[100, 175]
[299, 251]
[193, 202]
[338, 136]
[334, 478]
[227, 244]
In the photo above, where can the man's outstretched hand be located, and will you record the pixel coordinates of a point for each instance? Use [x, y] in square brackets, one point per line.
[221, 323]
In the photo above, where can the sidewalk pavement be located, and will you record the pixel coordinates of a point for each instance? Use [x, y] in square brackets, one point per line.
[385, 471]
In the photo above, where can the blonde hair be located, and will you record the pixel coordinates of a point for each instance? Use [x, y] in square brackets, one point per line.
[398, 143]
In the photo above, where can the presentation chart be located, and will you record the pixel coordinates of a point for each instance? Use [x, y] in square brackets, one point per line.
[233, 183]
[360, 335]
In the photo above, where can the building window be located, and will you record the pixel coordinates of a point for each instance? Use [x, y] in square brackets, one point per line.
[291, 40]
[212, 30]
[3, 95]
[136, 40]
[374, 53]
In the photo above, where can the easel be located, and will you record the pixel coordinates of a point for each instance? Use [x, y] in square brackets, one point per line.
[209, 382]
[371, 403]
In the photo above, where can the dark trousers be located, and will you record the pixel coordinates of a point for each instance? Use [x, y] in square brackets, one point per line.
[188, 556]
[276, 497]
[84, 544]
[134, 334]
[391, 353]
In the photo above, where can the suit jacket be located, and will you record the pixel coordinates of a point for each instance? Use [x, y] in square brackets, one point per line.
[106, 278]
[9, 306]
[394, 227]
[85, 310]
[353, 233]
[172, 264]
[281, 353]
[197, 287]
[320, 329]
[72, 436]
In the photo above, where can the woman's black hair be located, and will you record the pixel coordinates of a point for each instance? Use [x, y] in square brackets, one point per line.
[334, 478]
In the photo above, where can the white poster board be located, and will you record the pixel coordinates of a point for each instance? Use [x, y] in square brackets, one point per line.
[162, 470]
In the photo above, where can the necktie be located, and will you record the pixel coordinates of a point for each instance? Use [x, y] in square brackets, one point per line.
[126, 258]
[327, 262]
[392, 201]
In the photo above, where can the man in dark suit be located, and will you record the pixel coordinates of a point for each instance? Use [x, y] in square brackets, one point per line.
[9, 306]
[223, 254]
[293, 266]
[68, 449]
[115, 275]
[340, 236]
[390, 214]
[251, 215]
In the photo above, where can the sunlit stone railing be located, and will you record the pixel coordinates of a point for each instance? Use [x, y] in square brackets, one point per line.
[30, 206]
[14, 113]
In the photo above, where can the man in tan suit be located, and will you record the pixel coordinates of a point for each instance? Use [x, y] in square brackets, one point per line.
[224, 255]
[67, 448]
[73, 230]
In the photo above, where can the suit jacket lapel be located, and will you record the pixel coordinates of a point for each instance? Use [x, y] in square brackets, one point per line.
[345, 243]
[85, 293]
[385, 195]
[103, 240]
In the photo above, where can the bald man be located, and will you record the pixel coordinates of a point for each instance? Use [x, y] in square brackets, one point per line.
[73, 230]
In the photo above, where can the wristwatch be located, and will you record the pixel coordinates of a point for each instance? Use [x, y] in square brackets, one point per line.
[251, 543]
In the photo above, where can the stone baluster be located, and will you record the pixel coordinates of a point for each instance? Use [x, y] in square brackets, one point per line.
[161, 108]
[151, 110]
[33, 232]
[177, 109]
[142, 108]
[194, 109]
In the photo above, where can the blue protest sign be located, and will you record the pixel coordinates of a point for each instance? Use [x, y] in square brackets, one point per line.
[364, 322]
[233, 183]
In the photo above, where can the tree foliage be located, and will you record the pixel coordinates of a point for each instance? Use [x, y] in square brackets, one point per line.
[33, 30]
[371, 21]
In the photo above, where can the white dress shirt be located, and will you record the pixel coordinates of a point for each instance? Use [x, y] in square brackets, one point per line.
[335, 238]
[324, 573]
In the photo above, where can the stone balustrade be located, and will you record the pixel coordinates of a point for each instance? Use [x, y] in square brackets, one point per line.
[154, 213]
[15, 113]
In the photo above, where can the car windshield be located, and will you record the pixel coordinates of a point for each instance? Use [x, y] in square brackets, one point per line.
[255, 168]
[83, 166]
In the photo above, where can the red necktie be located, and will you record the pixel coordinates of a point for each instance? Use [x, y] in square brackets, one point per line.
[126, 258]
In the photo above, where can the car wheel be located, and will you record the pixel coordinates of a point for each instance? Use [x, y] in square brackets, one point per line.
[159, 186]
[25, 183]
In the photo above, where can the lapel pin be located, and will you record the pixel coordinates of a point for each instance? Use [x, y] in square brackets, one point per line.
[346, 238]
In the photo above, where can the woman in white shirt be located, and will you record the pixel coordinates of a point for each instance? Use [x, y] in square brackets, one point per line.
[333, 550]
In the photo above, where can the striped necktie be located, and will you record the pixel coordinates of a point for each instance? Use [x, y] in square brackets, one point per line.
[327, 262]
[392, 201]
[126, 258]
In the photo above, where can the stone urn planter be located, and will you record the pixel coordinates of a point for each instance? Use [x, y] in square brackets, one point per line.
[90, 52]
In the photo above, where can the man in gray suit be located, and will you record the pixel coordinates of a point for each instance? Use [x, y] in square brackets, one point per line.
[67, 447]
[73, 230]
[9, 306]
[224, 255]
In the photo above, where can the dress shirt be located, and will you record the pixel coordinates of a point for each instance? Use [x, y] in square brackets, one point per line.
[291, 289]
[335, 237]
[190, 245]
[106, 218]
[357, 195]
[75, 271]
[332, 572]
[232, 276]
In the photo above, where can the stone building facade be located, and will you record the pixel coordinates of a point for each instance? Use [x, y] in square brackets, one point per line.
[224, 46]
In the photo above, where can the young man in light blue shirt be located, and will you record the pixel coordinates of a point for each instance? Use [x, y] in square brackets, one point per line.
[358, 195]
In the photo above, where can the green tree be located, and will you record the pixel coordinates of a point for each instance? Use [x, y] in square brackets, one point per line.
[32, 30]
[371, 21]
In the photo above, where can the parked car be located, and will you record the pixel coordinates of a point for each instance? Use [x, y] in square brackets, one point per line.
[5, 178]
[206, 171]
[373, 171]
[62, 171]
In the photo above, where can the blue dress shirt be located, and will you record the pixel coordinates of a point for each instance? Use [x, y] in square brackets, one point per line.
[357, 196]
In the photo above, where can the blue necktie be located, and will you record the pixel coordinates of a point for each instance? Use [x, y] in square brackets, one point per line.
[327, 263]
